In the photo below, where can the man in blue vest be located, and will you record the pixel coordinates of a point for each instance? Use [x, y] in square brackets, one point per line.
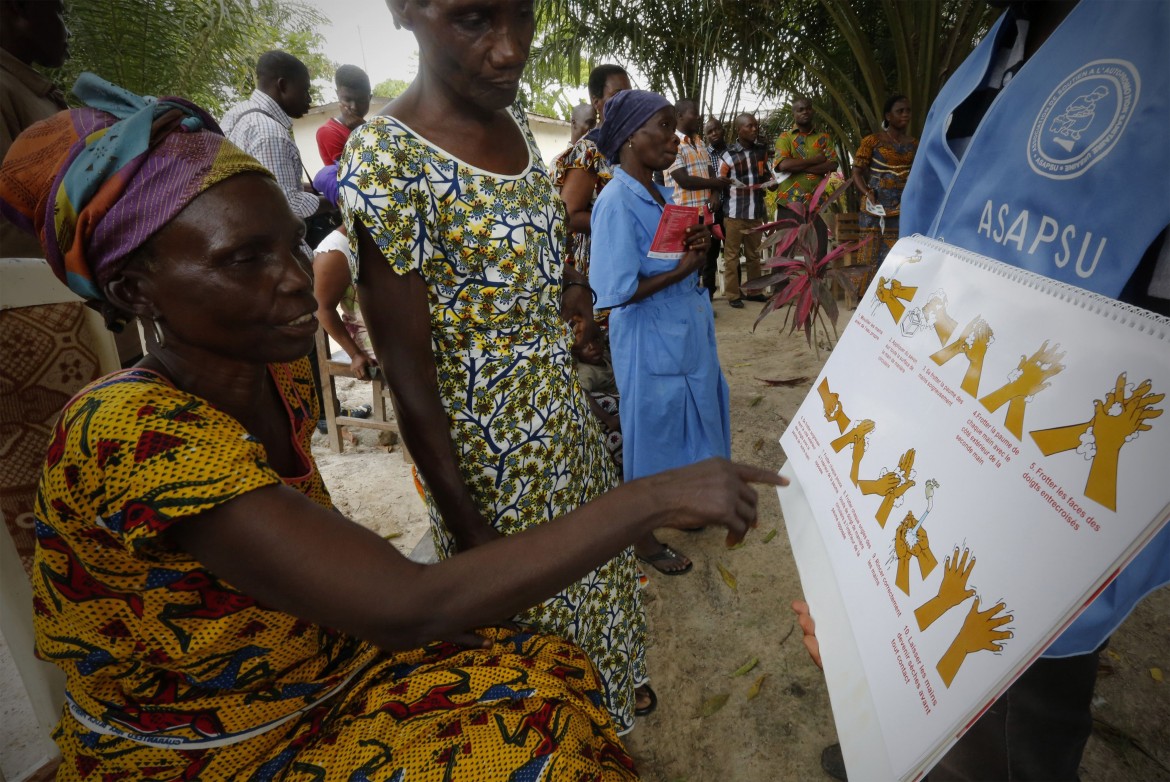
[1058, 167]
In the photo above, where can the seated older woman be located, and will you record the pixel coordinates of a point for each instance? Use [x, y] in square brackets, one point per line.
[214, 615]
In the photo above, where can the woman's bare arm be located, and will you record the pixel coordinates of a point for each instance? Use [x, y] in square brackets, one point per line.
[577, 193]
[293, 555]
[396, 311]
[330, 279]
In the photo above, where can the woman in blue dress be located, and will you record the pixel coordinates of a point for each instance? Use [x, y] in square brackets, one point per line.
[675, 407]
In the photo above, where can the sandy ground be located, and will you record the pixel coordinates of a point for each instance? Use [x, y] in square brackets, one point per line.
[702, 630]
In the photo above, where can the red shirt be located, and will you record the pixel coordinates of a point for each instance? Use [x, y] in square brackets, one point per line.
[331, 138]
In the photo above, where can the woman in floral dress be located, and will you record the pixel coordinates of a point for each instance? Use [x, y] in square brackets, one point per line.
[880, 169]
[586, 170]
[458, 234]
[214, 615]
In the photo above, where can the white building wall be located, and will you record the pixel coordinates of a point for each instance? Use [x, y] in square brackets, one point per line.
[552, 135]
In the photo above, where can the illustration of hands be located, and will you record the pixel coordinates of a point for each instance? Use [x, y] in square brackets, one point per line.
[921, 551]
[1117, 419]
[892, 488]
[858, 438]
[912, 541]
[936, 314]
[973, 342]
[902, 552]
[980, 632]
[1029, 378]
[889, 292]
[834, 413]
[952, 590]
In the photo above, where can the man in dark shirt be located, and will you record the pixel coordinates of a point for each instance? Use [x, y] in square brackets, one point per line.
[713, 135]
[745, 163]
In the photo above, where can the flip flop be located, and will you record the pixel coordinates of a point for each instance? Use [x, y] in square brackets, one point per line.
[361, 411]
[666, 555]
[646, 711]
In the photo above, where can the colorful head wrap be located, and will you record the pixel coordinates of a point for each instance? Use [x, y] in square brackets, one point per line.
[94, 184]
[625, 113]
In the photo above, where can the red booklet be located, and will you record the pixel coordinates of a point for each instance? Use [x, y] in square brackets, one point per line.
[670, 237]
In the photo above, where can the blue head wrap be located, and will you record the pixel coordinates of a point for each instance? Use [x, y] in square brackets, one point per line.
[625, 113]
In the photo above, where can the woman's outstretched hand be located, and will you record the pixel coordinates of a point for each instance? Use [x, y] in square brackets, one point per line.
[710, 492]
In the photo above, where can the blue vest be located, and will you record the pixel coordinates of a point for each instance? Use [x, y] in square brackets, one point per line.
[1067, 173]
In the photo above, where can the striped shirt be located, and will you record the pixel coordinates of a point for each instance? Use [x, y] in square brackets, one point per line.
[693, 159]
[260, 127]
[747, 166]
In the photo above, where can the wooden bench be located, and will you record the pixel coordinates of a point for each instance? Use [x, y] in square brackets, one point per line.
[847, 229]
[383, 417]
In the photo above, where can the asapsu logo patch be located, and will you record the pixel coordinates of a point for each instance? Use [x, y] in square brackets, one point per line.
[1083, 118]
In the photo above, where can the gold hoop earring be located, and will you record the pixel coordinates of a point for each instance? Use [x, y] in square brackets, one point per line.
[159, 337]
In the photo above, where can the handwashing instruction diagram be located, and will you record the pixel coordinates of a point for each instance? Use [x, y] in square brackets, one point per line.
[979, 455]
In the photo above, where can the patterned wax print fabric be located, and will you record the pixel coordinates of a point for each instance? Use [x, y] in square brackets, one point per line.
[795, 145]
[558, 167]
[488, 247]
[889, 166]
[585, 155]
[173, 674]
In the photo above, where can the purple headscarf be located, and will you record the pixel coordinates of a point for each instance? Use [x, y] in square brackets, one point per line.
[625, 113]
[94, 184]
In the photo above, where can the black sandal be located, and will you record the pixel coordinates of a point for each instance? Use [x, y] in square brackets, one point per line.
[667, 554]
[646, 711]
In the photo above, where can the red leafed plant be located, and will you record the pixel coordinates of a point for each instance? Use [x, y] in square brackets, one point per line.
[802, 270]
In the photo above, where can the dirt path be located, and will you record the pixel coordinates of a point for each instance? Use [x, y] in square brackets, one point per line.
[702, 630]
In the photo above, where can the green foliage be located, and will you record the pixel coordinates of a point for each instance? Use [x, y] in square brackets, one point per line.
[556, 65]
[677, 45]
[801, 270]
[204, 50]
[390, 88]
[848, 55]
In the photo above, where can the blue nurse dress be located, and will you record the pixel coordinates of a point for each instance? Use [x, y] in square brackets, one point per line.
[674, 400]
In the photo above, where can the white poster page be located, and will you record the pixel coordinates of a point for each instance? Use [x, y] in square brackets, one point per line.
[982, 451]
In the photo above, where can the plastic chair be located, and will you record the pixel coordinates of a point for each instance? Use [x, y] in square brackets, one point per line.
[52, 346]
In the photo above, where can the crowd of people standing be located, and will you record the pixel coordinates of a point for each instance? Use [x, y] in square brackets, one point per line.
[210, 607]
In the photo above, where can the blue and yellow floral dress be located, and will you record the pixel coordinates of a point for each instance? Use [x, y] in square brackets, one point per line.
[488, 247]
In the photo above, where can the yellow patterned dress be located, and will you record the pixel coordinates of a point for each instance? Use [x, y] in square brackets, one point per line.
[174, 675]
[488, 247]
[586, 156]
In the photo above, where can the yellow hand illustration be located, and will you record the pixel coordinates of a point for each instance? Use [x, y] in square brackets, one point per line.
[856, 438]
[952, 590]
[1117, 419]
[1030, 378]
[944, 324]
[902, 552]
[889, 292]
[980, 632]
[921, 551]
[1113, 426]
[905, 467]
[972, 343]
[883, 485]
[832, 403]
